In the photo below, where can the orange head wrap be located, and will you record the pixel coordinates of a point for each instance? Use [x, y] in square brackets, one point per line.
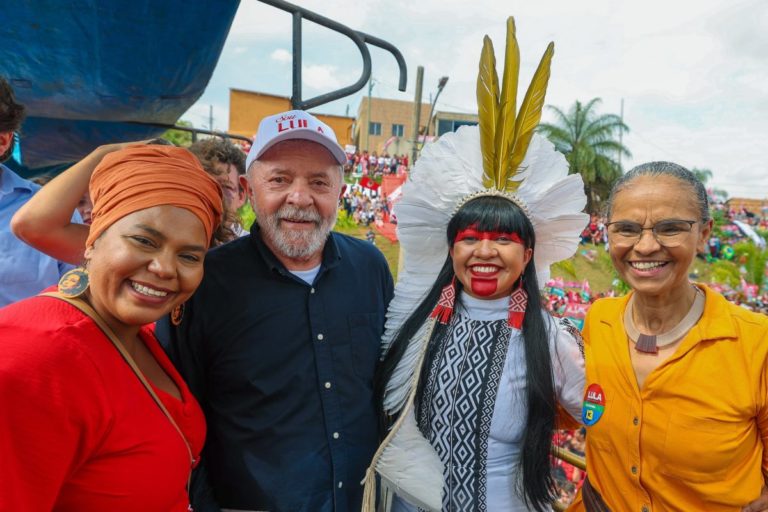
[141, 177]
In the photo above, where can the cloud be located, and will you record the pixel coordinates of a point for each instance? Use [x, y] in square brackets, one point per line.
[281, 55]
[321, 78]
[692, 79]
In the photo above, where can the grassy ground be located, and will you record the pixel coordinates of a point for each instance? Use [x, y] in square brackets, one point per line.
[590, 262]
[391, 250]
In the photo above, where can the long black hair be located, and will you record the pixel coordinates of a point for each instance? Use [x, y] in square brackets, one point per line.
[490, 213]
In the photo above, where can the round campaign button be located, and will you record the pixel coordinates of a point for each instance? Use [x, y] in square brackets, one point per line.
[594, 405]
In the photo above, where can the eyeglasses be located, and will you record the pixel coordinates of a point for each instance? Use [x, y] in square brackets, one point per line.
[669, 233]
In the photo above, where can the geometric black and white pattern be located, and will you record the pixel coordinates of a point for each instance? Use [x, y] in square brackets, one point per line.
[456, 405]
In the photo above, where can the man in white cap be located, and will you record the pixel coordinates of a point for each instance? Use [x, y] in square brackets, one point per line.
[281, 340]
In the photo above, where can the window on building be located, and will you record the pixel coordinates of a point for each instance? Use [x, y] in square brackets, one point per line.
[398, 130]
[451, 125]
[374, 128]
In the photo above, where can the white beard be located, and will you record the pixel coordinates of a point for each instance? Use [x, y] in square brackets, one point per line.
[297, 245]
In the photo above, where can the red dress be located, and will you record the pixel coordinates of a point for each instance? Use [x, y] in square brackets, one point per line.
[78, 430]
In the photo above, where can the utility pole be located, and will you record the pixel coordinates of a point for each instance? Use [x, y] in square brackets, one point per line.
[417, 114]
[621, 131]
[210, 117]
[368, 127]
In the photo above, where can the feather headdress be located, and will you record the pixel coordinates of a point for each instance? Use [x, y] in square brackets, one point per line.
[502, 156]
[505, 134]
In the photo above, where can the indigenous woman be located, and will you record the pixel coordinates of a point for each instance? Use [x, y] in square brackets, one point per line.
[474, 368]
[95, 416]
[676, 404]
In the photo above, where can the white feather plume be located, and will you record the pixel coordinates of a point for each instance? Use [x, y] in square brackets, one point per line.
[447, 171]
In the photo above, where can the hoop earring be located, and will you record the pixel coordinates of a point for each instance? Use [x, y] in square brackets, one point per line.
[177, 315]
[74, 283]
[518, 303]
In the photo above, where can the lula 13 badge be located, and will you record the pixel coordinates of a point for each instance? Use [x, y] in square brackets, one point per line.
[594, 405]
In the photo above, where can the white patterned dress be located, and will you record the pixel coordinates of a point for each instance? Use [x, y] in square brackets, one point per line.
[473, 404]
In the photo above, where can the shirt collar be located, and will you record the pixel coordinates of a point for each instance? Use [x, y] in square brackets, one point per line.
[716, 321]
[10, 181]
[482, 309]
[331, 252]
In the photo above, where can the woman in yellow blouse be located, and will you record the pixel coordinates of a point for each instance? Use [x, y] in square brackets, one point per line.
[676, 404]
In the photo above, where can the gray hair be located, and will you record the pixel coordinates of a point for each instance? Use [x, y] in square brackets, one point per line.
[655, 169]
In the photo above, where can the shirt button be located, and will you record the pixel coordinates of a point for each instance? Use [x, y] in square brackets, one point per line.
[341, 484]
[644, 509]
[327, 385]
[320, 337]
[335, 435]
[634, 470]
[635, 421]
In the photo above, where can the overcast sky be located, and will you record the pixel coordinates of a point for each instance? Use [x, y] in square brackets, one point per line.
[693, 74]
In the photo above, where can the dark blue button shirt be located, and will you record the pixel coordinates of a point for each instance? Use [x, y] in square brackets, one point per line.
[283, 371]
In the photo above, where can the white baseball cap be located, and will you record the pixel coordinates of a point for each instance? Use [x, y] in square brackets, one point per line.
[294, 124]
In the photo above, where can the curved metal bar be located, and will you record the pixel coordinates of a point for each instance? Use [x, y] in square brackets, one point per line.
[570, 457]
[384, 45]
[300, 13]
[194, 131]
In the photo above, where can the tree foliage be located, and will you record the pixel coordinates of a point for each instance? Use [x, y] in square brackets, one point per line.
[754, 259]
[590, 143]
[179, 137]
[704, 175]
[247, 216]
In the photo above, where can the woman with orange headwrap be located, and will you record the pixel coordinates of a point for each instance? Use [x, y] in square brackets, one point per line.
[95, 416]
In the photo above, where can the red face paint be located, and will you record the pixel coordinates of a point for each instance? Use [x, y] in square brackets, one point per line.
[502, 254]
[483, 287]
[472, 232]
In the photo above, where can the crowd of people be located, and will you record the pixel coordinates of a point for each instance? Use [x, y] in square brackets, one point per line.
[757, 302]
[568, 477]
[364, 206]
[371, 164]
[595, 231]
[159, 358]
[740, 212]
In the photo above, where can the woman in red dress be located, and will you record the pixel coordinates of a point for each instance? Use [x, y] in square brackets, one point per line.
[95, 417]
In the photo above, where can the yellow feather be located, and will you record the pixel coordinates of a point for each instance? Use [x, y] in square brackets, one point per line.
[487, 110]
[505, 126]
[529, 116]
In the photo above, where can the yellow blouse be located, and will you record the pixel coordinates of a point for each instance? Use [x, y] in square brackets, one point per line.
[694, 437]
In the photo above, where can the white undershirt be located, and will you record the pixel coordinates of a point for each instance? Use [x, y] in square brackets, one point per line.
[308, 276]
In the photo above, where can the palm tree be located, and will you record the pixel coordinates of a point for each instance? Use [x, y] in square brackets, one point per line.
[704, 175]
[589, 142]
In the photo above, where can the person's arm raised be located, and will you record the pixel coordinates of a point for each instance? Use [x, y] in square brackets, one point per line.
[45, 221]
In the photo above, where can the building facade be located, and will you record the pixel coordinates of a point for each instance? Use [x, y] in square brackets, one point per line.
[755, 206]
[248, 108]
[384, 126]
[451, 121]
